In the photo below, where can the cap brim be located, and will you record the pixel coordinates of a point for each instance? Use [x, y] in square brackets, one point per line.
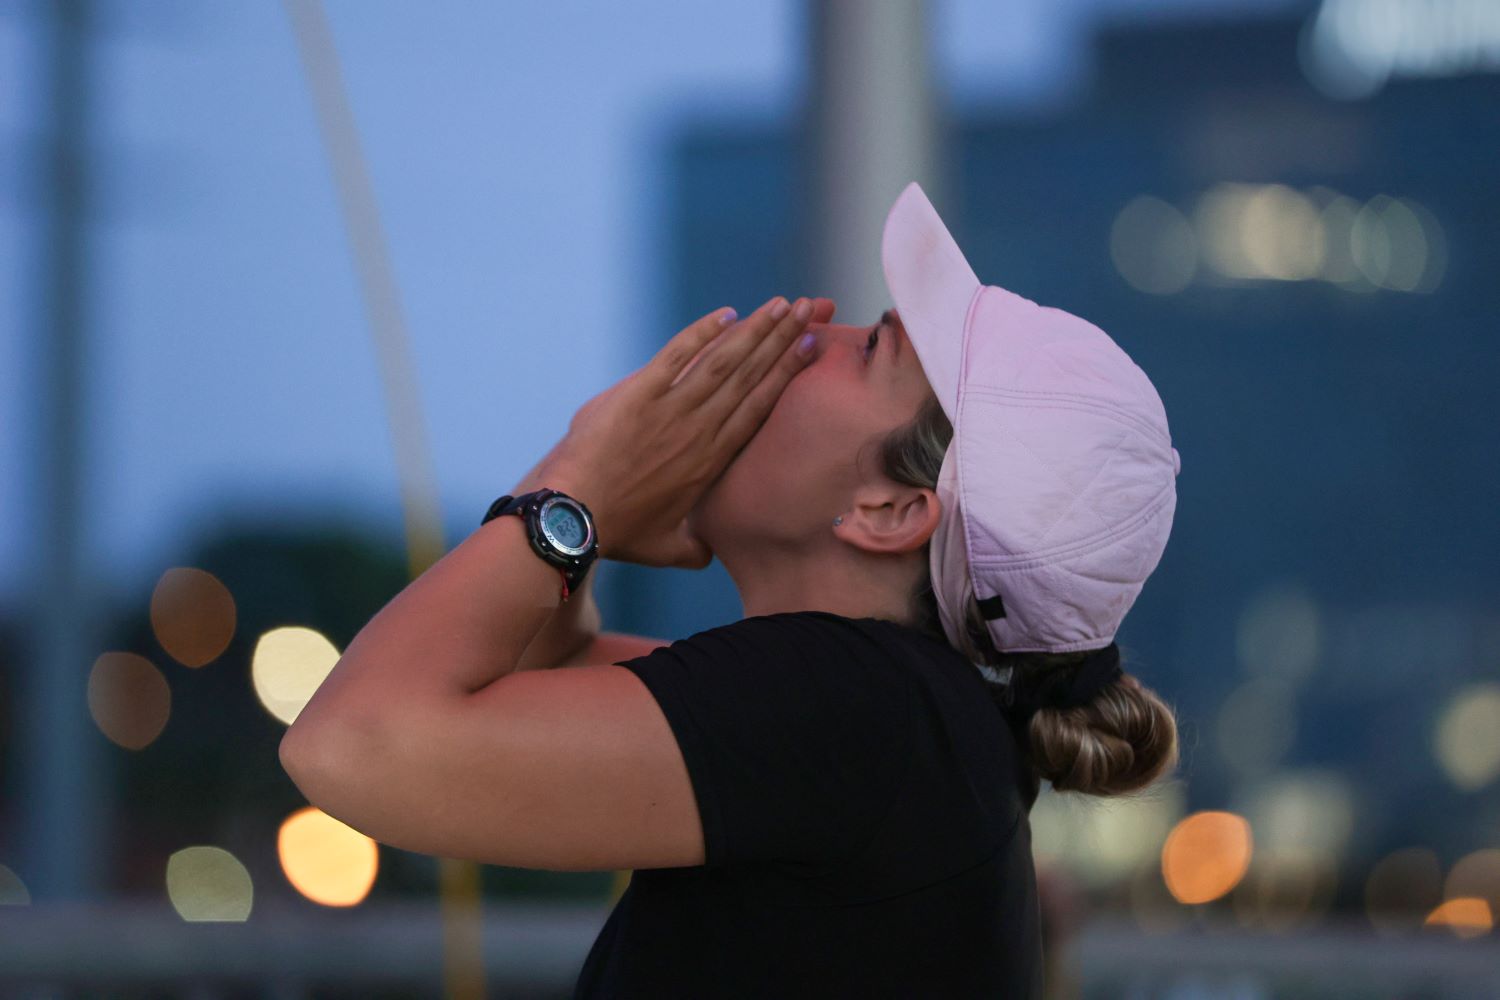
[932, 286]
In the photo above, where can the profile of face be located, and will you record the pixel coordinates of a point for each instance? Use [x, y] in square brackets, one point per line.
[817, 457]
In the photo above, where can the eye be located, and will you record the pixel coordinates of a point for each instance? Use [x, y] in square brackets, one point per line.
[870, 344]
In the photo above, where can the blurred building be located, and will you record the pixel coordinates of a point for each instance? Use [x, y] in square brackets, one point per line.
[1310, 283]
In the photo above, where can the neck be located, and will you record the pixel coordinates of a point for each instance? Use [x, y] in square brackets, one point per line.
[839, 578]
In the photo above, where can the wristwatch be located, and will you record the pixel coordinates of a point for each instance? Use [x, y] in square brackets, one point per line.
[560, 529]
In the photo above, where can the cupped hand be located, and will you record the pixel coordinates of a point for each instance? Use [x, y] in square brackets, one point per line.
[640, 454]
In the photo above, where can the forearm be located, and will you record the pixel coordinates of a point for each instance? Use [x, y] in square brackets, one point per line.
[467, 621]
[572, 627]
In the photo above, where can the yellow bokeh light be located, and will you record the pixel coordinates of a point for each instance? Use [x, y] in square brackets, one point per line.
[1467, 742]
[1300, 810]
[325, 860]
[1205, 856]
[1465, 916]
[1281, 233]
[1218, 220]
[209, 883]
[287, 666]
[192, 615]
[129, 699]
[1101, 841]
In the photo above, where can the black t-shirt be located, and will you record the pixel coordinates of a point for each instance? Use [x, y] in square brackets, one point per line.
[865, 818]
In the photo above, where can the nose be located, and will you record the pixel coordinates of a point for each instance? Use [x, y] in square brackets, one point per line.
[831, 332]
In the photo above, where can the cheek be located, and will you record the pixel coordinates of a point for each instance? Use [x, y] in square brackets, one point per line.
[801, 438]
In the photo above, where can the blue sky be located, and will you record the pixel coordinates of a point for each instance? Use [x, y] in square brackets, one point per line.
[230, 370]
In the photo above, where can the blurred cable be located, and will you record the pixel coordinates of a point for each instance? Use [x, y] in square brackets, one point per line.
[459, 890]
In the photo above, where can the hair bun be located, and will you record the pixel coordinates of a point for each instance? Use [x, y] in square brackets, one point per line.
[1120, 742]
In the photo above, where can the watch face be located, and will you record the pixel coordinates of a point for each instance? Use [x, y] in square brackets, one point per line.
[565, 526]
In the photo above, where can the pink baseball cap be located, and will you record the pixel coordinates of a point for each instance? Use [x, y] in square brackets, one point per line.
[1059, 485]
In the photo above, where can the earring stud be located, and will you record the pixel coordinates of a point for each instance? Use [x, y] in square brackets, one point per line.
[839, 519]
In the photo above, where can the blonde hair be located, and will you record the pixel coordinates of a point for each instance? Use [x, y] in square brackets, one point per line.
[1120, 742]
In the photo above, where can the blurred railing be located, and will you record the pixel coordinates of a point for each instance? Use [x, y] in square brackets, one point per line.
[535, 951]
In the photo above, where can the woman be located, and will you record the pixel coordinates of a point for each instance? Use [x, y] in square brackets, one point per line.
[944, 514]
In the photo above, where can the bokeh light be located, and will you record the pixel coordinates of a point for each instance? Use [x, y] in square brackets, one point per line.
[1402, 888]
[1476, 875]
[128, 698]
[1467, 741]
[1279, 633]
[1466, 916]
[287, 666]
[1338, 215]
[209, 883]
[1311, 809]
[193, 615]
[1206, 855]
[1274, 232]
[1102, 841]
[327, 861]
[1153, 246]
[1256, 725]
[1281, 233]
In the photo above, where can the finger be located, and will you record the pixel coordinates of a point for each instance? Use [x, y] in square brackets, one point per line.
[746, 399]
[706, 348]
[740, 357]
[679, 353]
[823, 310]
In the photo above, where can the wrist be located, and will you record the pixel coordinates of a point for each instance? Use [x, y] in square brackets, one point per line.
[569, 481]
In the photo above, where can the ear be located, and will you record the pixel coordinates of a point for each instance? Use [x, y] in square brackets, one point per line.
[890, 517]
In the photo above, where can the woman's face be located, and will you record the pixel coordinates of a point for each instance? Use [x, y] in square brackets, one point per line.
[817, 452]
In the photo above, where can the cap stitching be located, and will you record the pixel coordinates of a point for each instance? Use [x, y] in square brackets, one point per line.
[963, 395]
[1082, 548]
[1090, 403]
[1079, 496]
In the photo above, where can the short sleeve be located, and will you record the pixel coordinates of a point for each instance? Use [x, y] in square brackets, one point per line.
[796, 729]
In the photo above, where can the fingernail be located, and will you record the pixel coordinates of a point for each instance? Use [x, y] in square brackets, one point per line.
[780, 309]
[727, 316]
[805, 345]
[803, 310]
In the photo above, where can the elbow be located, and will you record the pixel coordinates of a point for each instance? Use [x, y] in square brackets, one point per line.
[299, 756]
[319, 762]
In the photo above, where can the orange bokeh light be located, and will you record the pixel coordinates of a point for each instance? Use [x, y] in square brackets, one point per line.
[1205, 856]
[128, 698]
[1467, 916]
[193, 615]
